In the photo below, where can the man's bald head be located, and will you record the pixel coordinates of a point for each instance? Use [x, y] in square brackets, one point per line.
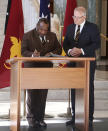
[81, 9]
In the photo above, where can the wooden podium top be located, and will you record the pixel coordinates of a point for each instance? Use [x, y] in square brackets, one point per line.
[52, 59]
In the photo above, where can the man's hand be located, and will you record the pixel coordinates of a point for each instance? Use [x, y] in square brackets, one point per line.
[48, 54]
[36, 53]
[75, 52]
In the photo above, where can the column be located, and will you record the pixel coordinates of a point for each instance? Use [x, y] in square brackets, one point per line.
[94, 16]
[92, 11]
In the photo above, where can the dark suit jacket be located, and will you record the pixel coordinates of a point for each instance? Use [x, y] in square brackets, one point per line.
[89, 39]
[31, 41]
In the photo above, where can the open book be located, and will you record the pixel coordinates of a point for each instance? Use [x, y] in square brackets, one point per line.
[55, 55]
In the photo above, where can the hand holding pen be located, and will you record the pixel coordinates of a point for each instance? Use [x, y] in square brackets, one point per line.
[36, 53]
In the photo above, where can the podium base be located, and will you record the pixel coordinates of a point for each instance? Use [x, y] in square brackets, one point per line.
[49, 116]
[4, 116]
[66, 115]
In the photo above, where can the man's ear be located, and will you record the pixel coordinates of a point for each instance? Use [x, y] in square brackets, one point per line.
[37, 27]
[85, 17]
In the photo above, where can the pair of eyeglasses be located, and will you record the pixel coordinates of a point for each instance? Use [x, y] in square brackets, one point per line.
[77, 17]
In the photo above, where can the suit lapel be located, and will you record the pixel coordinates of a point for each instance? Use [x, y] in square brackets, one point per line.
[47, 38]
[83, 30]
[73, 32]
[37, 40]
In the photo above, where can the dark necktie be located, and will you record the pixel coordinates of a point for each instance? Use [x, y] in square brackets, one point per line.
[77, 33]
[43, 40]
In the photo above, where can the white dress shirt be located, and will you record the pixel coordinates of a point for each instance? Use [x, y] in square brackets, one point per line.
[76, 27]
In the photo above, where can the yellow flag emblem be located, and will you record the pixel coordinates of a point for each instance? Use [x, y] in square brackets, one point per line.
[15, 50]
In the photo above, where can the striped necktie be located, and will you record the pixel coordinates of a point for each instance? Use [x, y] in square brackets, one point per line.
[77, 34]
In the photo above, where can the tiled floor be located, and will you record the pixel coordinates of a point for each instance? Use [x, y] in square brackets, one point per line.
[58, 125]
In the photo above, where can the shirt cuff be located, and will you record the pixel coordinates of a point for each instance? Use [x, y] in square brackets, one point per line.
[69, 52]
[82, 51]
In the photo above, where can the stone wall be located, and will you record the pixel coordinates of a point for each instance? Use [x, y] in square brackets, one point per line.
[60, 6]
[3, 8]
[59, 9]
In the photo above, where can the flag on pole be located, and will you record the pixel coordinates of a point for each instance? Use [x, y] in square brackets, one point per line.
[30, 13]
[70, 6]
[44, 9]
[33, 10]
[12, 42]
[7, 15]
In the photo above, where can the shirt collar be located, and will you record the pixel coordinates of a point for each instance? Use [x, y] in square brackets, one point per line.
[81, 26]
[41, 38]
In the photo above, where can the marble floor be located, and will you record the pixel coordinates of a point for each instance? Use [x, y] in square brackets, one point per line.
[102, 70]
[100, 124]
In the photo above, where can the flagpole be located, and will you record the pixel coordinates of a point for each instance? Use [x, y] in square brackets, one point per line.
[68, 114]
[69, 107]
[36, 3]
[24, 109]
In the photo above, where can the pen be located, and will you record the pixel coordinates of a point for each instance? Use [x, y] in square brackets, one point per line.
[35, 50]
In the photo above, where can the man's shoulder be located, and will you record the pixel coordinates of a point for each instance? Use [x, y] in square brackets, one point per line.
[30, 32]
[91, 27]
[70, 28]
[90, 24]
[71, 25]
[51, 33]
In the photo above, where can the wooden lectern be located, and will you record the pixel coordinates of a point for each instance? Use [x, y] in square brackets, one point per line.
[51, 78]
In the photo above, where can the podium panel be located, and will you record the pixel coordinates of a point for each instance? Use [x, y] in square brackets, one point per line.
[51, 78]
[45, 78]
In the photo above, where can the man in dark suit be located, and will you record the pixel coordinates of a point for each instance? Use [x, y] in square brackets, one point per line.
[38, 42]
[81, 40]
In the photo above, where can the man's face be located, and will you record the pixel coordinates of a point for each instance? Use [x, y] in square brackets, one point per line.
[42, 29]
[78, 17]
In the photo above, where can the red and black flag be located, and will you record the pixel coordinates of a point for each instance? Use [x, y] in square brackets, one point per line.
[7, 15]
[70, 6]
[12, 42]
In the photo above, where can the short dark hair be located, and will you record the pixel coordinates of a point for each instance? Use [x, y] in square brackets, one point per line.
[45, 20]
